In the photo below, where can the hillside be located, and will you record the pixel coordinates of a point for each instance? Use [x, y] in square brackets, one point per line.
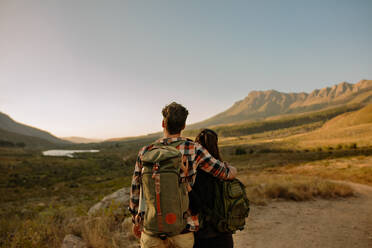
[28, 141]
[9, 125]
[353, 127]
[262, 104]
[362, 116]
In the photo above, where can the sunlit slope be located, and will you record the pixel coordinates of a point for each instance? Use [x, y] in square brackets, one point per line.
[362, 116]
[354, 127]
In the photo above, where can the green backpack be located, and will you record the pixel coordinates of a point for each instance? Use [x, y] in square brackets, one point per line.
[165, 195]
[232, 208]
[226, 209]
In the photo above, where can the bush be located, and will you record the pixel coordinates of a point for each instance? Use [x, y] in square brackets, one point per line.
[5, 143]
[240, 151]
[265, 150]
[20, 144]
[292, 187]
[353, 146]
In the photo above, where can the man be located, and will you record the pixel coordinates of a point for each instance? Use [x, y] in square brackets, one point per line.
[174, 120]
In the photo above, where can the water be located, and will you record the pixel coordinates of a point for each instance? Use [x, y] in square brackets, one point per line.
[65, 153]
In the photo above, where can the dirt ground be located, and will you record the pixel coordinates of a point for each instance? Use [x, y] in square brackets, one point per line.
[319, 223]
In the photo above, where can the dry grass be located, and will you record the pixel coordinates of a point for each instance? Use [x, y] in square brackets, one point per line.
[356, 169]
[360, 134]
[42, 231]
[263, 187]
[107, 230]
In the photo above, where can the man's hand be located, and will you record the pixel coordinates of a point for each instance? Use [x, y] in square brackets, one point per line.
[136, 229]
[137, 226]
[232, 173]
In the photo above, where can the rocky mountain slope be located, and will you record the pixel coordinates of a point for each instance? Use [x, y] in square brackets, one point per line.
[262, 104]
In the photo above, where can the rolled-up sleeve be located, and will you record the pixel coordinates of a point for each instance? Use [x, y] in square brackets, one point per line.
[136, 182]
[206, 162]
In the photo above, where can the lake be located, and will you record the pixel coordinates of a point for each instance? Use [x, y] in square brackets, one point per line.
[65, 153]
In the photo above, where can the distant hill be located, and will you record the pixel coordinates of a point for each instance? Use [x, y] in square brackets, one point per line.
[352, 127]
[81, 140]
[263, 104]
[14, 130]
[362, 116]
[151, 136]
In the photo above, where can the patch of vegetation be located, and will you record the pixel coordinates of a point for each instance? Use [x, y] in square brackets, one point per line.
[353, 146]
[240, 151]
[263, 187]
[49, 227]
[5, 143]
[355, 169]
[36, 190]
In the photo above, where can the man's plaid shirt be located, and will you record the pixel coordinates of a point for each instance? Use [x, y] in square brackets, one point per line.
[197, 156]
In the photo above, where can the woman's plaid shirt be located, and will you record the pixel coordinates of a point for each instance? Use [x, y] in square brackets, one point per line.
[197, 156]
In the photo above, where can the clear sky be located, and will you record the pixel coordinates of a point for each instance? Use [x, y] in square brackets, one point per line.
[106, 68]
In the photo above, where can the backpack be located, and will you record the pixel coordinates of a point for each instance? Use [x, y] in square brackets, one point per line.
[165, 196]
[224, 210]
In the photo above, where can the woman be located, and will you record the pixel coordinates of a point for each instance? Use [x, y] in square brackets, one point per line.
[208, 236]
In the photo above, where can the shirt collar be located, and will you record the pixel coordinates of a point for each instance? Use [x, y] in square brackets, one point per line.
[170, 140]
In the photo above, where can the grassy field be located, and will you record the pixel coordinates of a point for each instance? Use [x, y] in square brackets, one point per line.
[38, 194]
[41, 195]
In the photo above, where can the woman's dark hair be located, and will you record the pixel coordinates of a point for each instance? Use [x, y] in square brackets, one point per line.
[209, 140]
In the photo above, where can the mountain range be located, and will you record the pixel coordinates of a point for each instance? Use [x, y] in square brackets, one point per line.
[259, 105]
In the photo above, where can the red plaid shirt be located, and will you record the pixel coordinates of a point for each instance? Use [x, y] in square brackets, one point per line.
[198, 157]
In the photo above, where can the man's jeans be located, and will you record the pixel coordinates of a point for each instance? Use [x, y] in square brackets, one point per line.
[179, 241]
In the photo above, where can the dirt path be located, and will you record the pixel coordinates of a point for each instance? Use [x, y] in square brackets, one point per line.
[321, 223]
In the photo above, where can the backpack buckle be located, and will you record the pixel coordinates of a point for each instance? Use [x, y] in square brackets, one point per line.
[163, 236]
[155, 169]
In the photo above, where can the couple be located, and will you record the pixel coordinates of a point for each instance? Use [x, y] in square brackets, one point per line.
[201, 156]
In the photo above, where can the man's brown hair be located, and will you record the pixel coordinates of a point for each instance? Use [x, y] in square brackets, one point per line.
[174, 117]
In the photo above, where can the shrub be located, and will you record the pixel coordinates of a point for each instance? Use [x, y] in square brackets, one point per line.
[240, 151]
[265, 150]
[20, 144]
[289, 187]
[5, 143]
[353, 146]
[339, 147]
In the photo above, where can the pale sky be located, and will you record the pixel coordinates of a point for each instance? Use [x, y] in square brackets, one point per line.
[105, 69]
